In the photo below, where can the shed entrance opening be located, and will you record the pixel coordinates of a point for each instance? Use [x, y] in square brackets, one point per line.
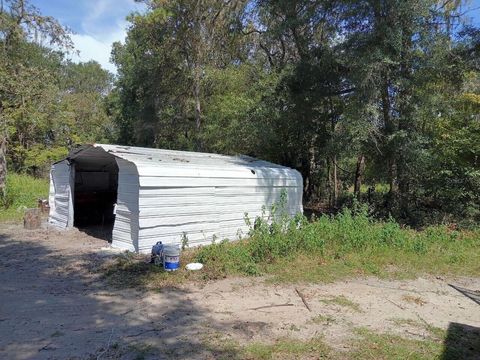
[95, 192]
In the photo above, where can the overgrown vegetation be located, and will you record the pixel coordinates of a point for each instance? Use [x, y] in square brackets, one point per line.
[382, 95]
[325, 249]
[48, 104]
[350, 93]
[23, 192]
[348, 244]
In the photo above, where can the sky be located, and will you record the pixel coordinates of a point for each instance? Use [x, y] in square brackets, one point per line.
[98, 23]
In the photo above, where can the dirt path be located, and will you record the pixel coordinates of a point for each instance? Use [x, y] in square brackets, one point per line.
[53, 307]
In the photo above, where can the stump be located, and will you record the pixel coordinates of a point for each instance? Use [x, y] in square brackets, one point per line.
[32, 219]
[43, 206]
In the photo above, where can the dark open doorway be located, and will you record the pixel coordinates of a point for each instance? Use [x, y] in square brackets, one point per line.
[95, 192]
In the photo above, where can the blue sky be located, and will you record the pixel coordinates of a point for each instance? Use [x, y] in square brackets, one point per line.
[98, 23]
[472, 9]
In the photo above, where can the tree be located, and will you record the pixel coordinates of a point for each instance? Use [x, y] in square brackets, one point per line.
[350, 93]
[162, 65]
[20, 83]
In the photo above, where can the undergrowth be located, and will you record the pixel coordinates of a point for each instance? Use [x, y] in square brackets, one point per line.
[325, 249]
[347, 244]
[23, 191]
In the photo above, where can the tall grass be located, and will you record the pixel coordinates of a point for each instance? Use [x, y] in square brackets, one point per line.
[349, 243]
[23, 191]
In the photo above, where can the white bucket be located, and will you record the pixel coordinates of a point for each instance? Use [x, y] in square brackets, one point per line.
[171, 257]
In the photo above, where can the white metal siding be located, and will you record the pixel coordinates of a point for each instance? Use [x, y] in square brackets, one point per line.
[203, 205]
[163, 194]
[203, 196]
[125, 229]
[60, 197]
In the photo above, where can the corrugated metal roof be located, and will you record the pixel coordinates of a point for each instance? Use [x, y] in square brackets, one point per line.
[156, 156]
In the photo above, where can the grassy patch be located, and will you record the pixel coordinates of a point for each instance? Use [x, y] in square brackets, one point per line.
[407, 322]
[23, 191]
[342, 301]
[434, 332]
[288, 349]
[366, 344]
[371, 345]
[347, 245]
[224, 348]
[130, 270]
[324, 250]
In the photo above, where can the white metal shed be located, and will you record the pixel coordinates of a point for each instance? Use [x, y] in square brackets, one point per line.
[165, 195]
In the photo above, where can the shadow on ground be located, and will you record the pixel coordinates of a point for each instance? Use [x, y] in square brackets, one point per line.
[102, 232]
[462, 342]
[52, 307]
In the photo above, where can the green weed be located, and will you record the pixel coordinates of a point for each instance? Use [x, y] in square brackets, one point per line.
[23, 191]
[335, 247]
[327, 249]
[342, 301]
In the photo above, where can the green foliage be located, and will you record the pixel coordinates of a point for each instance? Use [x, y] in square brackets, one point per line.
[47, 103]
[314, 85]
[344, 243]
[23, 191]
[61, 110]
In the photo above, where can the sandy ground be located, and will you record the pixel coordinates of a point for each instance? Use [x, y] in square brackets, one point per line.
[53, 307]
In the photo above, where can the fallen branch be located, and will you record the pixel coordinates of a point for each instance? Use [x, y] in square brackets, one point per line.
[270, 306]
[303, 299]
[415, 334]
[397, 305]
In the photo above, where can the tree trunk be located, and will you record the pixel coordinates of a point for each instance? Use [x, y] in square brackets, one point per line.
[335, 182]
[329, 183]
[311, 168]
[198, 109]
[3, 154]
[3, 166]
[359, 175]
[389, 130]
[393, 178]
[197, 62]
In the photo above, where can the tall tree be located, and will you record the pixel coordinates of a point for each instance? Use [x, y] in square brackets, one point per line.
[20, 24]
[165, 57]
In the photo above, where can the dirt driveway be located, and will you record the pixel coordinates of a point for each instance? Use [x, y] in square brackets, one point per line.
[52, 306]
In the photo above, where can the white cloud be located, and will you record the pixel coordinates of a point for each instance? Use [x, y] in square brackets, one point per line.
[104, 25]
[90, 48]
